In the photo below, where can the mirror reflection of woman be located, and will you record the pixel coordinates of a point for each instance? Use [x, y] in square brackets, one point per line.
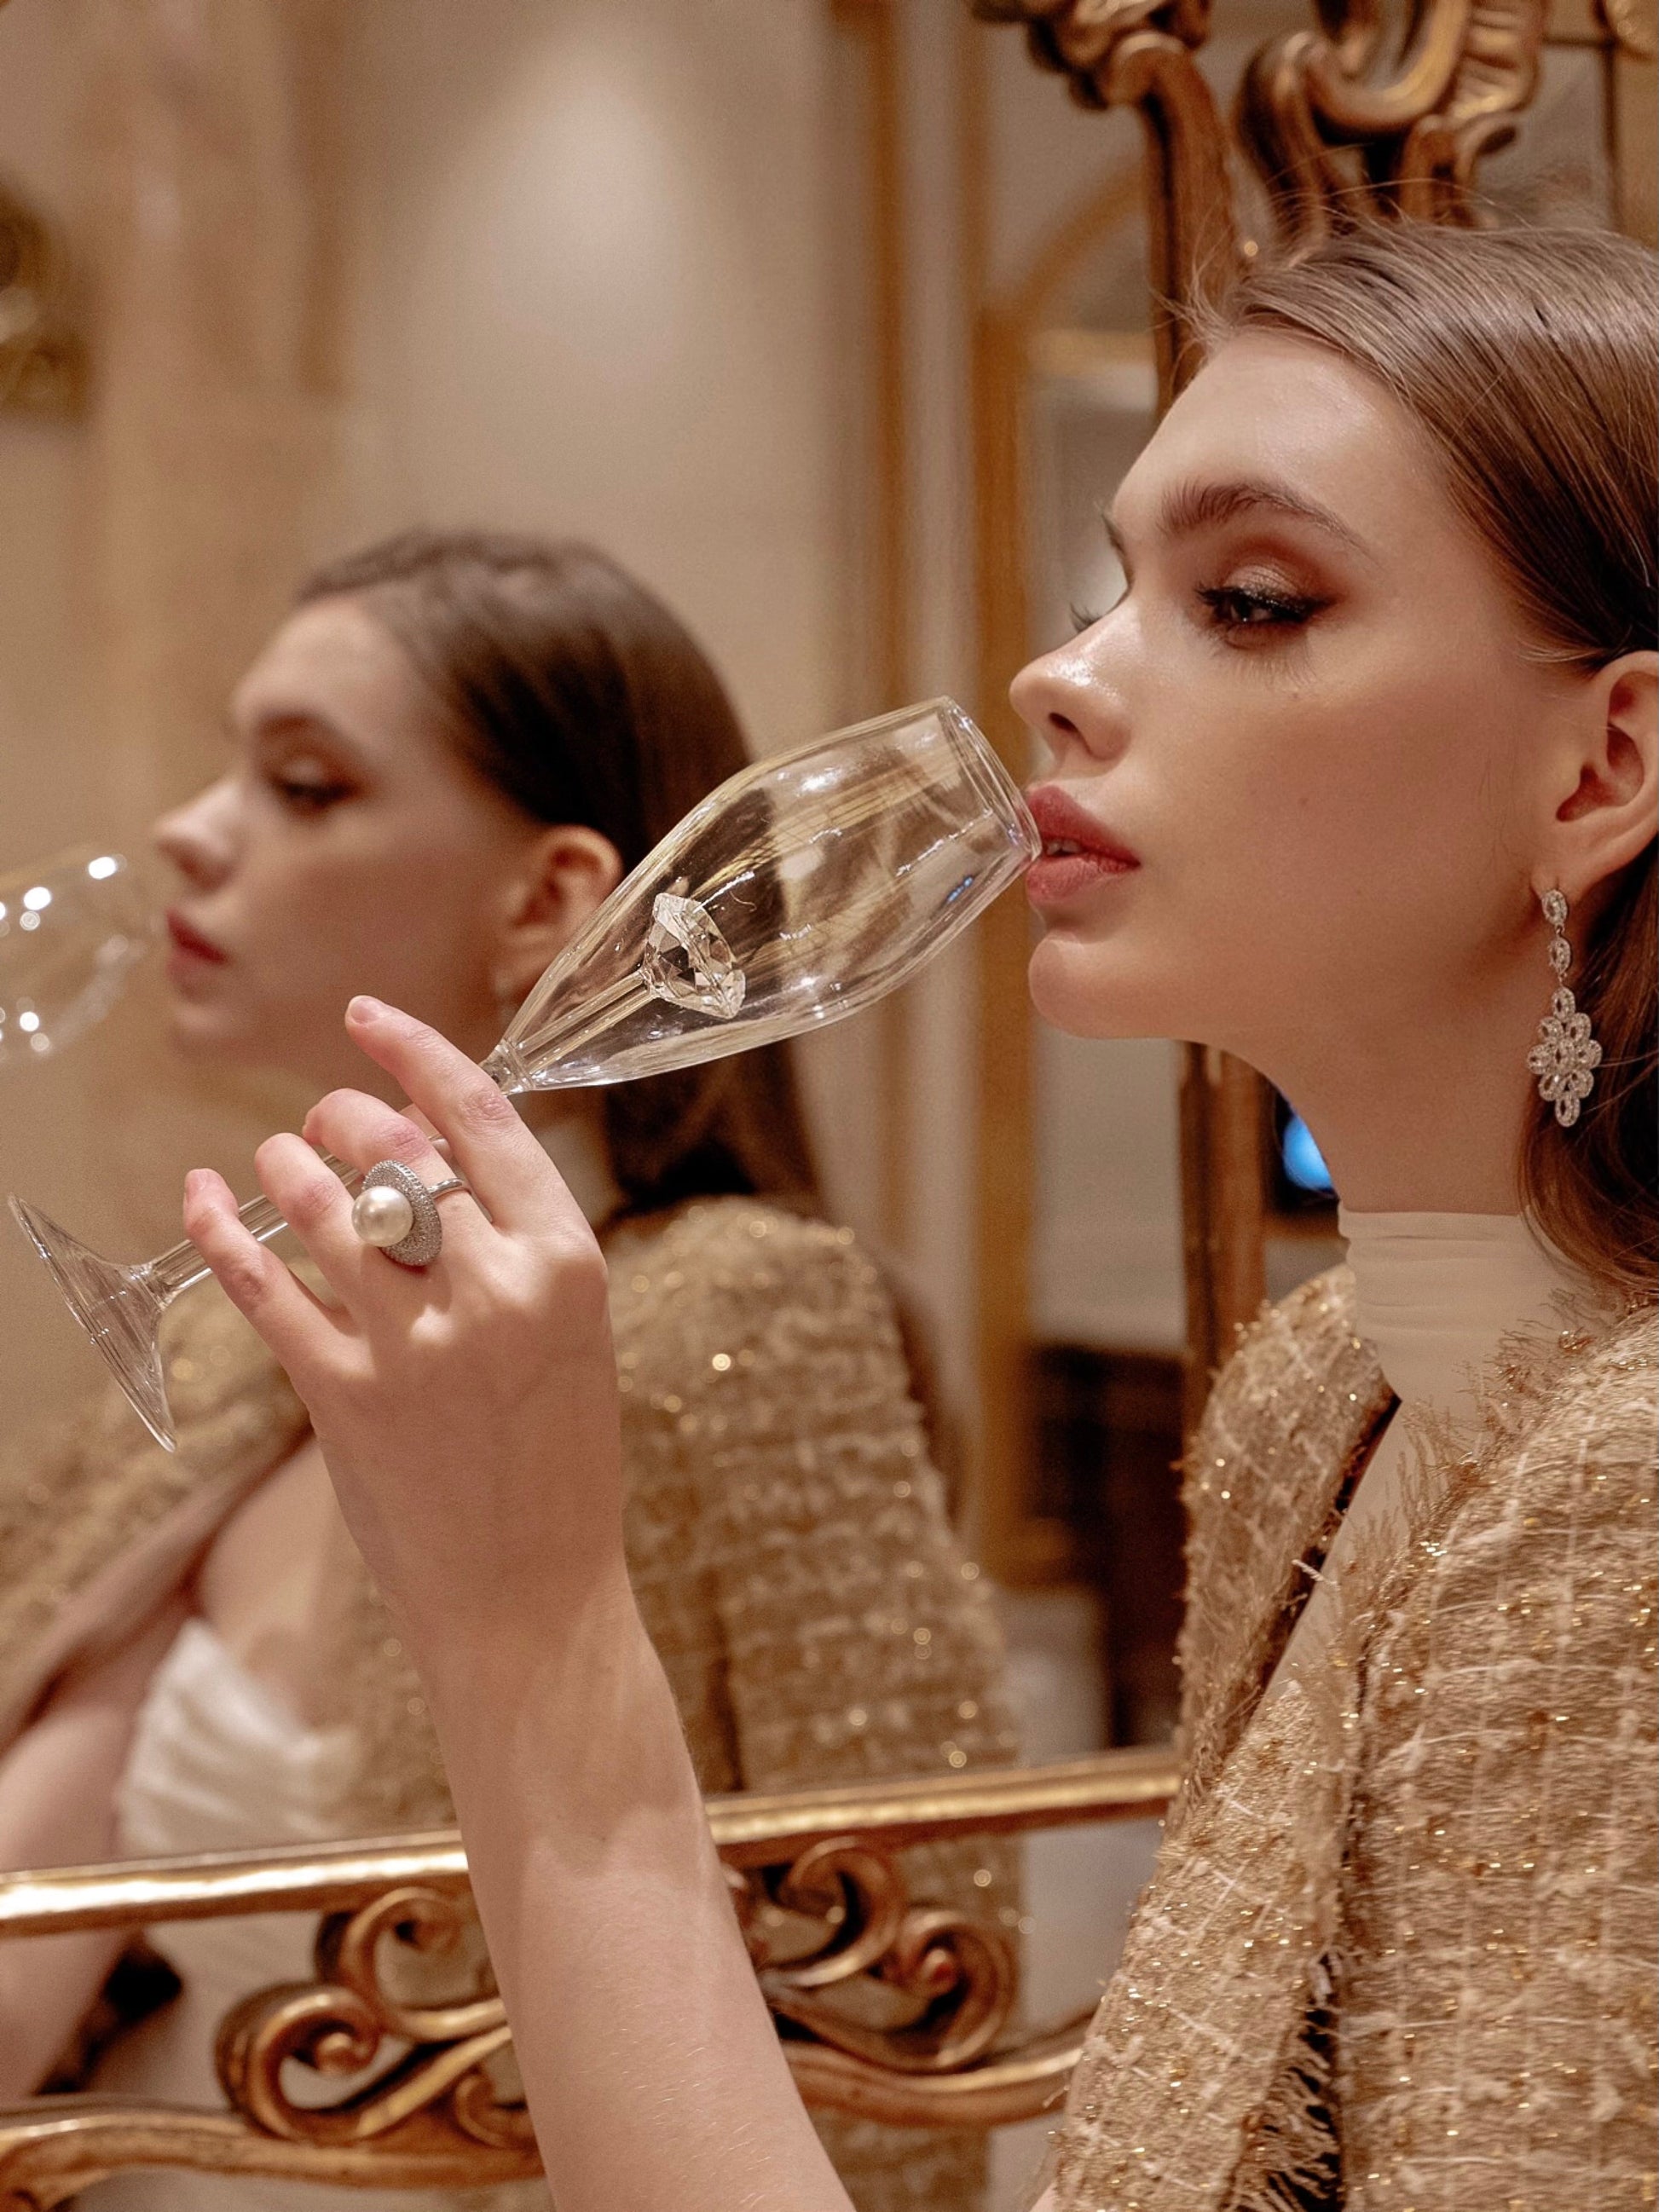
[1371, 728]
[443, 761]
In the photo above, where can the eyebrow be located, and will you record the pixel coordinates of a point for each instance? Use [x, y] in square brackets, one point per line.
[1193, 506]
[282, 722]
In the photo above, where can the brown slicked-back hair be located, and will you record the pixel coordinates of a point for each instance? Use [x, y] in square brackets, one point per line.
[579, 697]
[1528, 359]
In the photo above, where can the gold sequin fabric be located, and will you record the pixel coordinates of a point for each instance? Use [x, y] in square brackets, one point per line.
[75, 1505]
[789, 1546]
[1399, 1951]
[788, 1540]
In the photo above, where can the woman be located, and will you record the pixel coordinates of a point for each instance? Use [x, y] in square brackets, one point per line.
[1379, 697]
[444, 761]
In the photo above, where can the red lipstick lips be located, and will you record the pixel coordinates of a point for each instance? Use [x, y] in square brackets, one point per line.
[189, 945]
[1078, 852]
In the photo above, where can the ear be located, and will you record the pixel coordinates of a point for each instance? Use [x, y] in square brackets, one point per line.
[1605, 789]
[567, 874]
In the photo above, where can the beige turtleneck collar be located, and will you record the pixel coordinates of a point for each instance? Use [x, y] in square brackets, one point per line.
[1436, 1293]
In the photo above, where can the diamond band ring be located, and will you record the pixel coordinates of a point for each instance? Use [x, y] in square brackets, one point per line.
[395, 1211]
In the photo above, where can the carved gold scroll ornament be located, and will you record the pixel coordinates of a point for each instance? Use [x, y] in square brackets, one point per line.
[887, 2005]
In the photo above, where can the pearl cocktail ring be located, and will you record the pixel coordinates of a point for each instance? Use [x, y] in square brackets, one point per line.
[395, 1211]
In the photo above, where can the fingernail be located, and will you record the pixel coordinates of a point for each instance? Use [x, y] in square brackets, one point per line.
[192, 1182]
[365, 1010]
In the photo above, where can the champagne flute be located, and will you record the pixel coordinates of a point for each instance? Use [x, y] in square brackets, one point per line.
[805, 888]
[71, 928]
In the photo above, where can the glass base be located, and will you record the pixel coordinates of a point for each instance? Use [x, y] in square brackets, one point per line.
[119, 1309]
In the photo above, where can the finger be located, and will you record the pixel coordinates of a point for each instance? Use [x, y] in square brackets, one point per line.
[316, 1207]
[439, 1144]
[296, 1325]
[513, 1177]
[362, 1131]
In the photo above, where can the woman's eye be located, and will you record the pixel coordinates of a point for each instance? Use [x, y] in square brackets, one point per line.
[307, 794]
[1235, 607]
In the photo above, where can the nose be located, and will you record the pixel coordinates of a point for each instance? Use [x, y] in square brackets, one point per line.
[1072, 703]
[198, 838]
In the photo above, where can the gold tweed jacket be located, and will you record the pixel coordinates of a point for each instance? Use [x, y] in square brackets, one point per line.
[1398, 1956]
[787, 1535]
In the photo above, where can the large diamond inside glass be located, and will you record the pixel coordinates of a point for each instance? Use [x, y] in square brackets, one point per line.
[687, 962]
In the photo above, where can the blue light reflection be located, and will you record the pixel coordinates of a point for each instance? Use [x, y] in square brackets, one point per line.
[1302, 1163]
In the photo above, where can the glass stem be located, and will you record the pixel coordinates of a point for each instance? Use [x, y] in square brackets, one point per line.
[182, 1267]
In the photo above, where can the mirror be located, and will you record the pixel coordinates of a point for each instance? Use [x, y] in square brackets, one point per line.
[831, 319]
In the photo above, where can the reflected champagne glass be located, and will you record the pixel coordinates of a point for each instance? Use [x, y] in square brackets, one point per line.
[70, 929]
[803, 888]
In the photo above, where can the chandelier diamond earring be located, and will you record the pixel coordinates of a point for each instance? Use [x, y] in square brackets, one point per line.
[1566, 1056]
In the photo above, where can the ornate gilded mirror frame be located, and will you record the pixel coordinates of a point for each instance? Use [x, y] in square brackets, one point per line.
[1353, 114]
[398, 2093]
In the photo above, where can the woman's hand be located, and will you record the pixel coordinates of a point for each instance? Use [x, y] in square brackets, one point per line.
[468, 1413]
[467, 1410]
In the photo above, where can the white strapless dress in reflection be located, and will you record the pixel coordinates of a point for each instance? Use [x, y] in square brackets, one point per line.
[219, 1763]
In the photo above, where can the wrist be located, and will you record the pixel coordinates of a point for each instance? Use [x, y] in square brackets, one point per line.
[533, 1662]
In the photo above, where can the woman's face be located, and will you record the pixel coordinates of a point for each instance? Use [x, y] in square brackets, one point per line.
[347, 848]
[1293, 756]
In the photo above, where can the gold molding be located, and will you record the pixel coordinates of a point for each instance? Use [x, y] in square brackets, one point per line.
[1329, 129]
[824, 1902]
[1630, 39]
[750, 1828]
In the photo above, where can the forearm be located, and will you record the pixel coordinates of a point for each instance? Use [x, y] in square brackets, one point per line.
[58, 1785]
[470, 1419]
[652, 2066]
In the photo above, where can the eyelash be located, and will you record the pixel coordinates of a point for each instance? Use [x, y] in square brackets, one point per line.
[1282, 610]
[1233, 608]
[307, 798]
